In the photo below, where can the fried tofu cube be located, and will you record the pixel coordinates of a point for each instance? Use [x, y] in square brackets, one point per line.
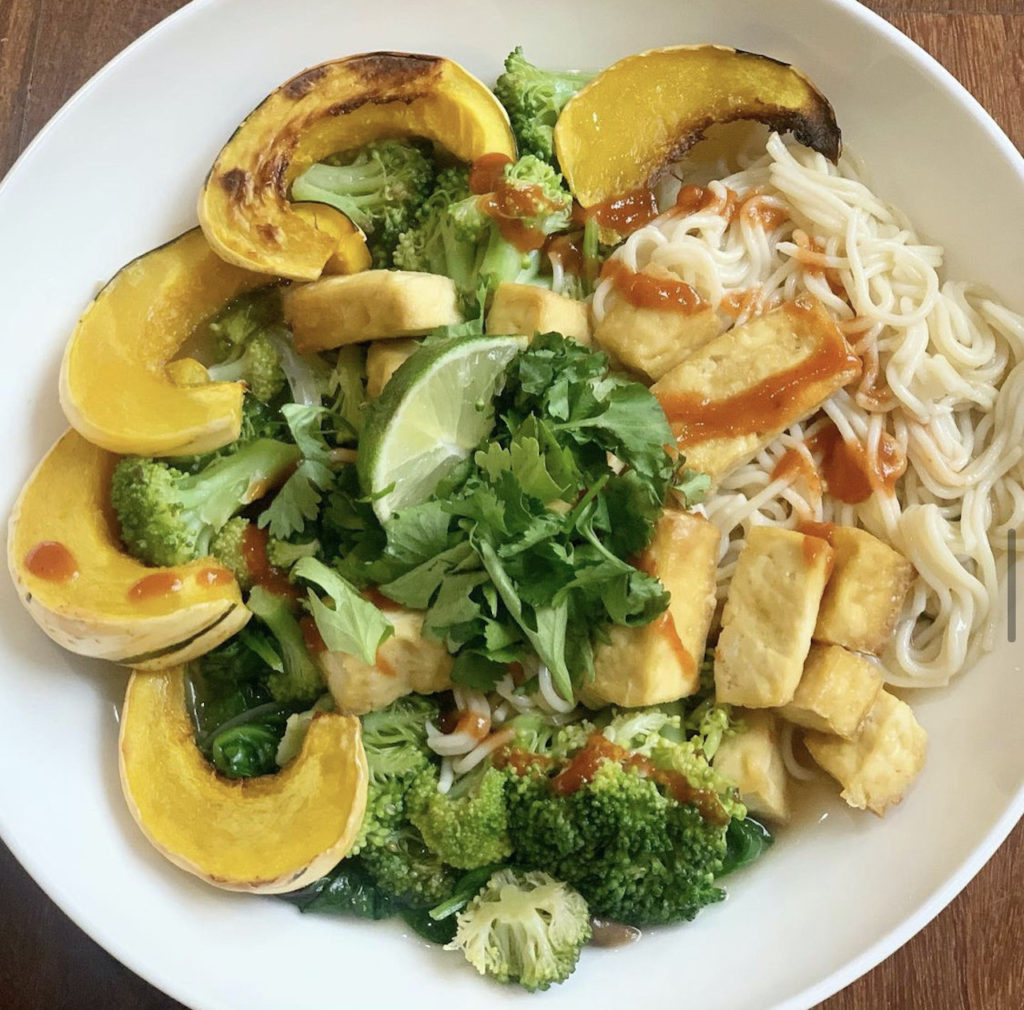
[372, 305]
[835, 693]
[769, 617]
[660, 662]
[406, 663]
[753, 761]
[877, 767]
[383, 359]
[653, 341]
[863, 599]
[527, 309]
[730, 398]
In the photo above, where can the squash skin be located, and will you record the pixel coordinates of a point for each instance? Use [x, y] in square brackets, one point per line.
[114, 387]
[635, 117]
[66, 500]
[244, 204]
[269, 835]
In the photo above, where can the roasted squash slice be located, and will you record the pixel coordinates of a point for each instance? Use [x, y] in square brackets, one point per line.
[114, 386]
[269, 834]
[244, 206]
[91, 597]
[647, 110]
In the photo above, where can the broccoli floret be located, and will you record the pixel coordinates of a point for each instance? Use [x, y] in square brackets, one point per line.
[534, 99]
[637, 855]
[231, 547]
[379, 188]
[468, 826]
[258, 366]
[395, 739]
[436, 243]
[228, 547]
[242, 318]
[627, 809]
[463, 234]
[394, 853]
[299, 680]
[169, 517]
[524, 927]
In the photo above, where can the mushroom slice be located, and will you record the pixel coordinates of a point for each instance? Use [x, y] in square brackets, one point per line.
[270, 834]
[86, 593]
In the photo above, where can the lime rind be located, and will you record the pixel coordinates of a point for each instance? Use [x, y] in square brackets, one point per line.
[434, 411]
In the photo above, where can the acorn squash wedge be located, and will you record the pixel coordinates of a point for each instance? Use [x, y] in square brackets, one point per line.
[86, 593]
[623, 128]
[114, 386]
[244, 206]
[269, 834]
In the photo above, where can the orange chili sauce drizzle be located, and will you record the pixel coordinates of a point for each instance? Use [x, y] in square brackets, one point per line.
[567, 251]
[624, 214]
[823, 531]
[458, 721]
[213, 576]
[52, 561]
[157, 584]
[850, 475]
[508, 203]
[760, 407]
[794, 464]
[373, 595]
[254, 549]
[755, 206]
[586, 762]
[311, 635]
[646, 291]
[665, 624]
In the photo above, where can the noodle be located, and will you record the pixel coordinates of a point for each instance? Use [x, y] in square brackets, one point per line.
[943, 376]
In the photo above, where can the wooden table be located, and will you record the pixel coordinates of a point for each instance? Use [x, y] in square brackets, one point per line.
[970, 958]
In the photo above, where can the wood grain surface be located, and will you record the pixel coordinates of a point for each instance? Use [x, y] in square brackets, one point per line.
[970, 958]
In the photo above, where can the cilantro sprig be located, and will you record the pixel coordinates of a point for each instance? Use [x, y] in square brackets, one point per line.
[527, 549]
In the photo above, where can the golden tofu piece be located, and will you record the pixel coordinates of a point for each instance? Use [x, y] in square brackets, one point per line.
[863, 599]
[406, 663]
[660, 661]
[753, 761]
[769, 617]
[527, 309]
[372, 305]
[877, 767]
[383, 359]
[653, 341]
[729, 399]
[836, 691]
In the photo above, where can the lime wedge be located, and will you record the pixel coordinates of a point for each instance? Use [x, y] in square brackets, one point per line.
[433, 413]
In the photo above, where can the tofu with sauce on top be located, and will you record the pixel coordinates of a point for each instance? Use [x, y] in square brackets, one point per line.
[383, 359]
[769, 617]
[863, 599]
[660, 662]
[877, 767]
[406, 663]
[652, 341]
[836, 691]
[730, 398]
[753, 761]
[372, 305]
[527, 309]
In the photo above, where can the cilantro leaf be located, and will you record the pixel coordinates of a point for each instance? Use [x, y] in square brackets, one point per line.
[354, 626]
[298, 501]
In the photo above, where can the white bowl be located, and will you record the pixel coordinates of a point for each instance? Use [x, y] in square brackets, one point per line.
[117, 172]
